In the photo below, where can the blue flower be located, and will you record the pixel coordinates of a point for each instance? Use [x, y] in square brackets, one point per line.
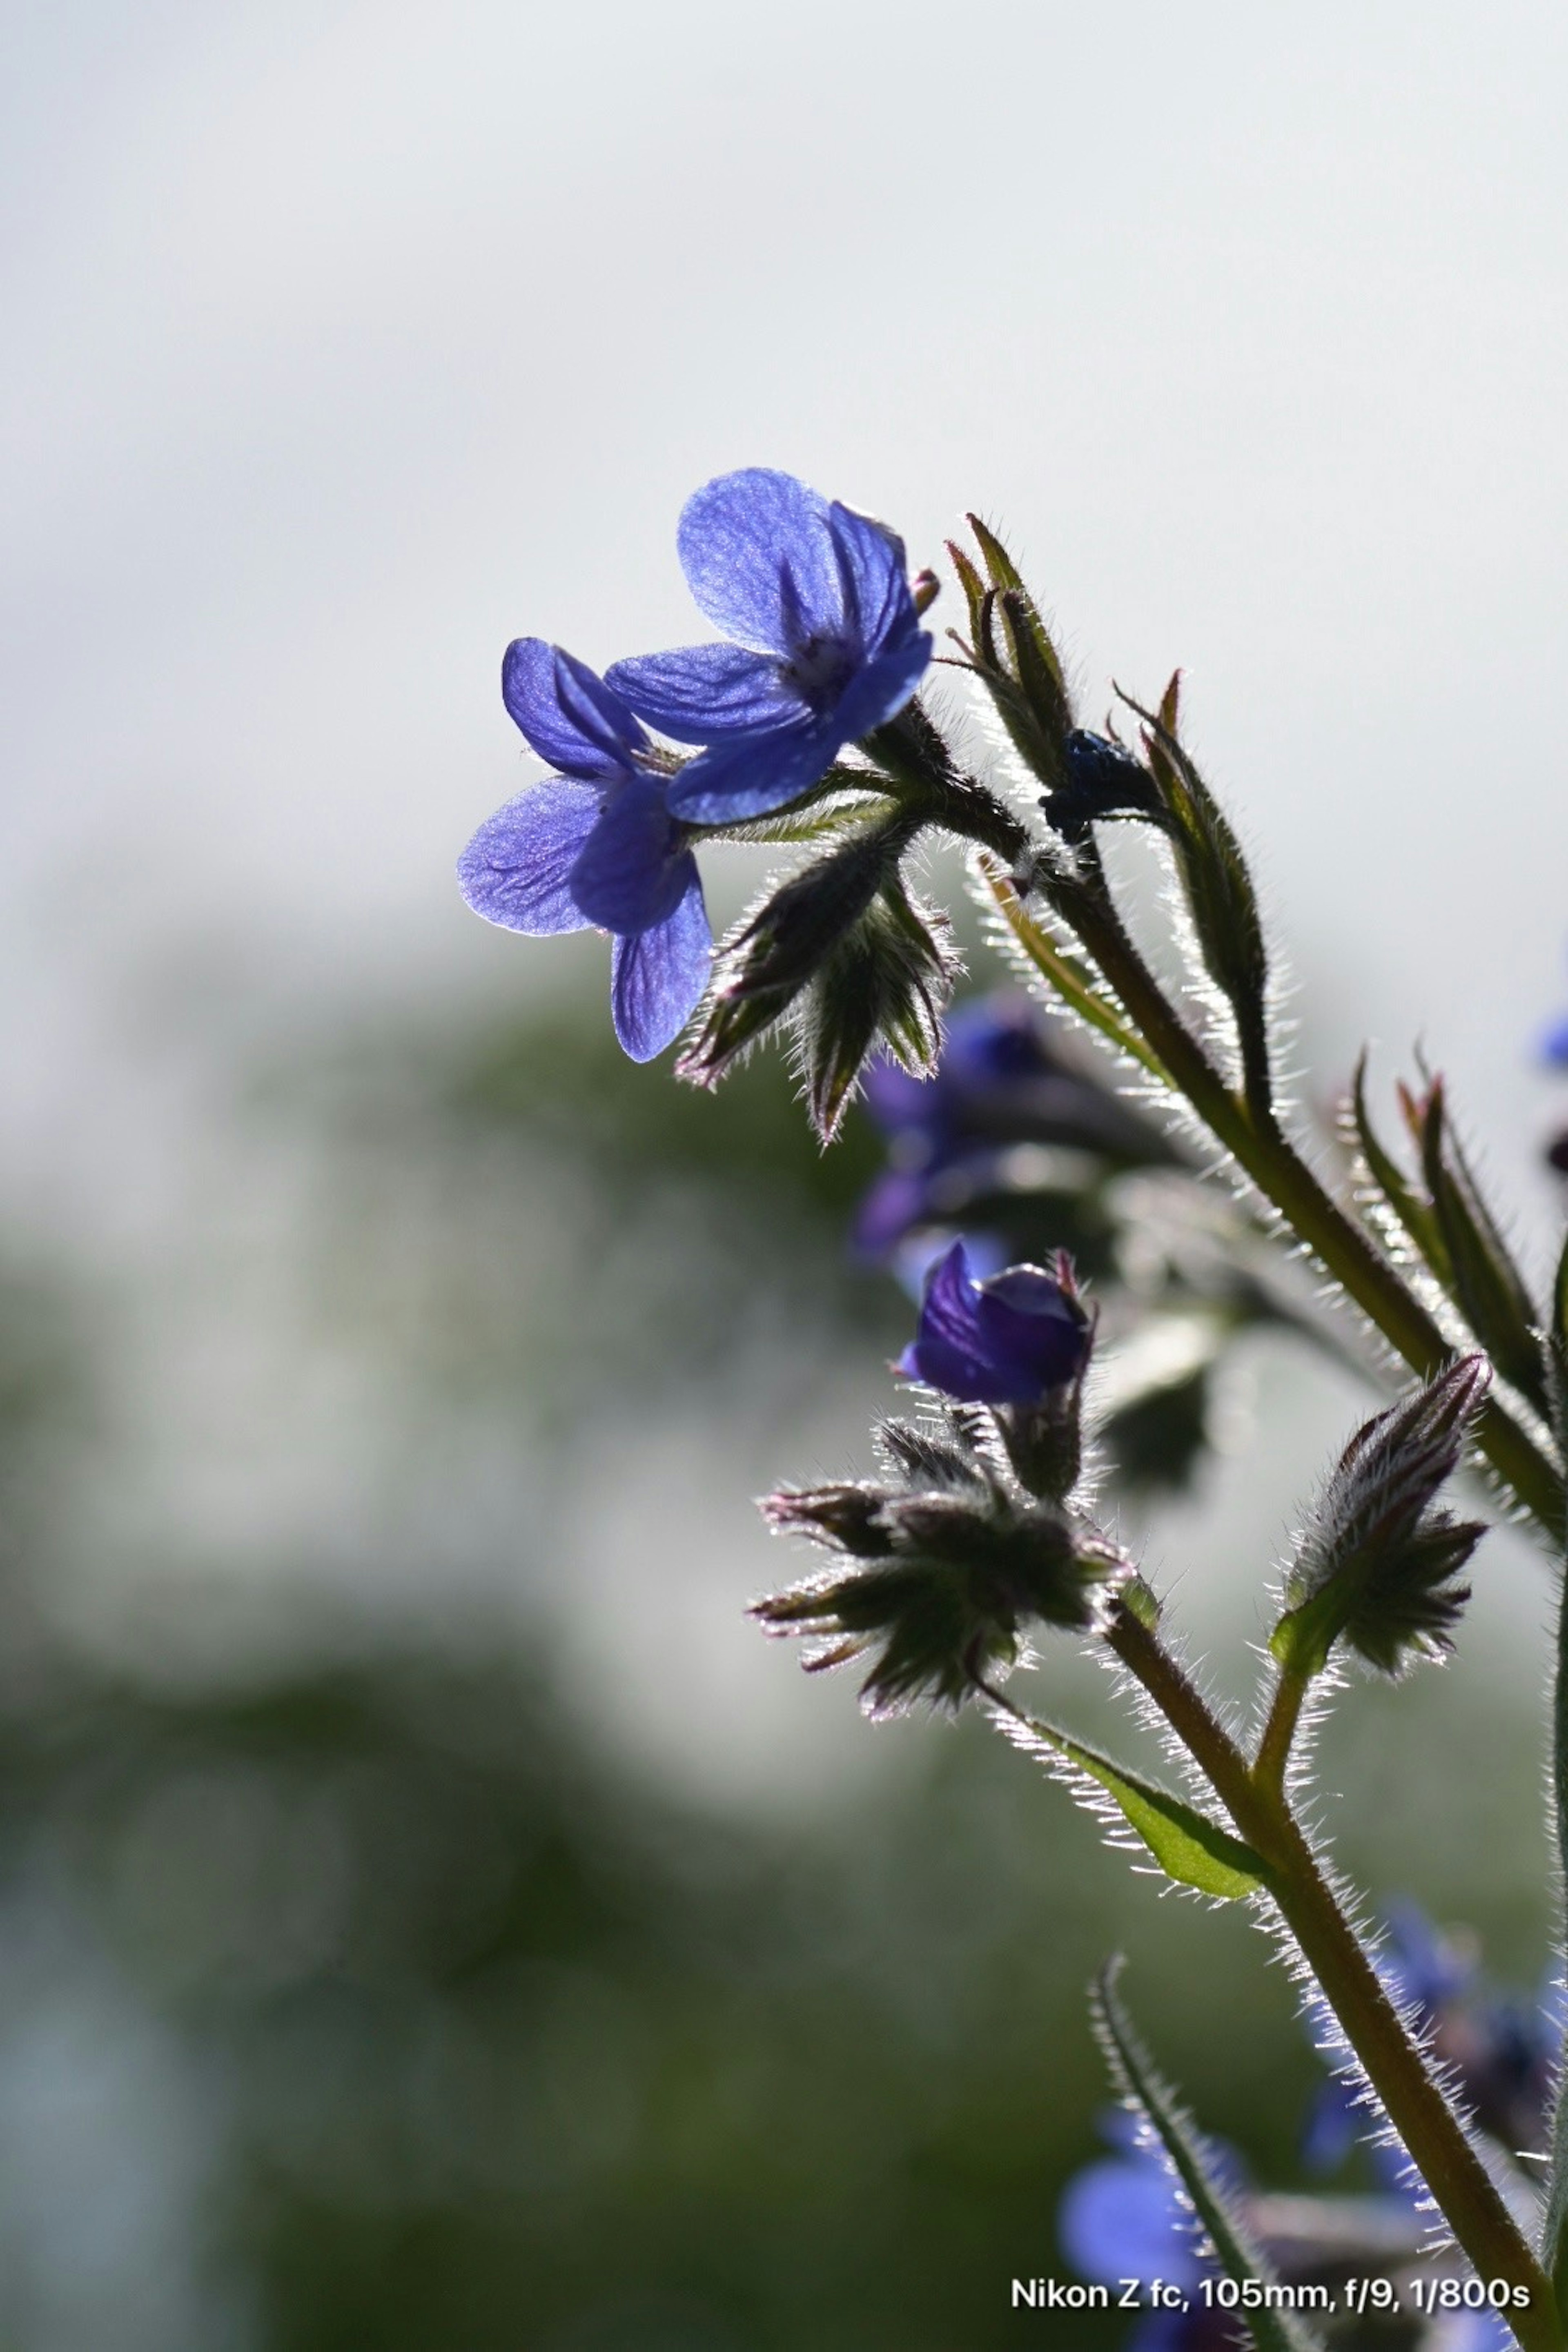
[594, 844]
[828, 644]
[1502, 2052]
[1009, 1339]
[999, 1084]
[1123, 2217]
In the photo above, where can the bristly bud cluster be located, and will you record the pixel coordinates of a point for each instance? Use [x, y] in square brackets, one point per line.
[851, 958]
[947, 1563]
[972, 1533]
[1011, 652]
[1218, 890]
[1376, 1568]
[1091, 779]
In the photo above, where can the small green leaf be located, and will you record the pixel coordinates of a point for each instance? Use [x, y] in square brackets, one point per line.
[1136, 2077]
[1560, 1300]
[1069, 975]
[1187, 1844]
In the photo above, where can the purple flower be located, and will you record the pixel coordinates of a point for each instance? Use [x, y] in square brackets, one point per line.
[999, 1084]
[828, 644]
[594, 844]
[1009, 1339]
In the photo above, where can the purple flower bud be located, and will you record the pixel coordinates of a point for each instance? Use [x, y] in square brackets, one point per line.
[1010, 1339]
[1103, 780]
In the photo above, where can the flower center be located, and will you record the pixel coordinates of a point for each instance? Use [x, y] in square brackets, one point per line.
[819, 669]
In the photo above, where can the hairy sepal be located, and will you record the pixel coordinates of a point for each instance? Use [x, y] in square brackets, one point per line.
[1374, 1566]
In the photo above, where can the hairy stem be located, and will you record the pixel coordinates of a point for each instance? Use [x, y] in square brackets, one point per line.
[1280, 1731]
[1438, 2142]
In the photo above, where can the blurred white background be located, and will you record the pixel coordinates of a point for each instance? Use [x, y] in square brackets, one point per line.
[345, 343]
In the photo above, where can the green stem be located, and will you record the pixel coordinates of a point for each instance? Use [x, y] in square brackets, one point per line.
[1280, 1731]
[1284, 1178]
[1436, 2141]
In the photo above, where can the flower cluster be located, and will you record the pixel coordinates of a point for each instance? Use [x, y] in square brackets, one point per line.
[802, 728]
[826, 647]
[971, 1535]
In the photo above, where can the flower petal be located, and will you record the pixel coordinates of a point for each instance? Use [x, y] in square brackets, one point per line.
[874, 570]
[517, 869]
[1029, 1332]
[1120, 2219]
[698, 692]
[658, 977]
[634, 865]
[569, 716]
[760, 772]
[880, 691]
[760, 560]
[947, 1351]
[1008, 1341]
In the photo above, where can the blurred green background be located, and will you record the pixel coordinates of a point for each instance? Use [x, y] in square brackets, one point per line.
[430, 1915]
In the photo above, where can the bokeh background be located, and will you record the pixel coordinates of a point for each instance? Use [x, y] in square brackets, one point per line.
[429, 1916]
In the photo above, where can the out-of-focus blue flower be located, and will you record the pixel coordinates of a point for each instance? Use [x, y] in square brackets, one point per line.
[1009, 1339]
[828, 644]
[1121, 2218]
[1502, 2050]
[595, 845]
[999, 1084]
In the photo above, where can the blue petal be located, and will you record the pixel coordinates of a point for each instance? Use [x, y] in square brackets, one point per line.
[657, 978]
[569, 716]
[947, 1351]
[875, 574]
[698, 692]
[1554, 1044]
[1120, 2219]
[735, 781]
[634, 865]
[951, 1301]
[879, 691]
[759, 556]
[517, 869]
